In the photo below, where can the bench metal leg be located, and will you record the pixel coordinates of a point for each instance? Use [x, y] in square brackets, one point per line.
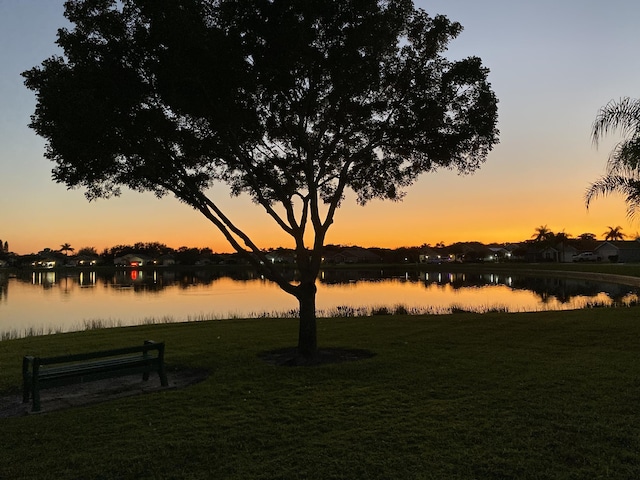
[26, 392]
[26, 380]
[36, 399]
[163, 376]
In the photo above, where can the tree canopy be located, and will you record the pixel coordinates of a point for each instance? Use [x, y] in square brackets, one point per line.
[291, 102]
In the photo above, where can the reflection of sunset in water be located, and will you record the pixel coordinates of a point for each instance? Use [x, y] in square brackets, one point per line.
[50, 301]
[440, 298]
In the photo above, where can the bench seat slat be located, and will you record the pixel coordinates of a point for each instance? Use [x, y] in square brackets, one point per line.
[90, 376]
[80, 357]
[140, 364]
[46, 371]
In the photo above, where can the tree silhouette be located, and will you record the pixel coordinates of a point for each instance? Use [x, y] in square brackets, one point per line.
[542, 233]
[292, 103]
[561, 237]
[614, 233]
[623, 165]
[88, 251]
[587, 236]
[66, 248]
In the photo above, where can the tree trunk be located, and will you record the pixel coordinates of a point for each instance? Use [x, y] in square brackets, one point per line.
[307, 335]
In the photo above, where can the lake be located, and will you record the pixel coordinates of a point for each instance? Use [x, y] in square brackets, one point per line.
[49, 301]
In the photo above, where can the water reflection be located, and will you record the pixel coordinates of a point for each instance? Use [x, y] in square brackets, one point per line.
[130, 296]
[139, 279]
[564, 290]
[546, 288]
[4, 287]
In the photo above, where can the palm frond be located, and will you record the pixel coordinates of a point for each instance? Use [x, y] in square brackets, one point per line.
[623, 115]
[628, 187]
[624, 159]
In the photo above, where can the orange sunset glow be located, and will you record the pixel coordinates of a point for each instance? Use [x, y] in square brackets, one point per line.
[549, 86]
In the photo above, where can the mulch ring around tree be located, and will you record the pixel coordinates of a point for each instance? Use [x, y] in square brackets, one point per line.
[89, 393]
[289, 356]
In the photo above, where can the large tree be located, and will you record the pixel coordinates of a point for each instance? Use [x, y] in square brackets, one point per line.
[623, 166]
[292, 102]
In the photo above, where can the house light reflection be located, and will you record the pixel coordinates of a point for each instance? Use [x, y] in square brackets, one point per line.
[43, 278]
[87, 280]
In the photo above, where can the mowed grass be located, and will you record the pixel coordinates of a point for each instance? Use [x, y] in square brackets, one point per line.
[548, 395]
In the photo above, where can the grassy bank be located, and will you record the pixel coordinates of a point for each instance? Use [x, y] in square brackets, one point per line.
[550, 395]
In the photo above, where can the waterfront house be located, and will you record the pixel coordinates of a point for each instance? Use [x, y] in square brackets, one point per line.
[281, 256]
[165, 260]
[497, 254]
[354, 255]
[85, 260]
[429, 255]
[566, 252]
[132, 260]
[619, 251]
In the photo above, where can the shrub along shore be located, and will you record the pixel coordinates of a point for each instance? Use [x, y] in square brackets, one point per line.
[461, 396]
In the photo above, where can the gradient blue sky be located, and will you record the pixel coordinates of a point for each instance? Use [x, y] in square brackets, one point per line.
[553, 64]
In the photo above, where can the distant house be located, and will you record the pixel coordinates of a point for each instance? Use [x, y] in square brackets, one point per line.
[132, 260]
[619, 251]
[538, 253]
[429, 255]
[534, 252]
[203, 260]
[566, 252]
[497, 254]
[354, 255]
[281, 256]
[86, 260]
[45, 262]
[165, 260]
[470, 252]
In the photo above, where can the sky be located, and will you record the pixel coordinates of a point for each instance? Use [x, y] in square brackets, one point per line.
[553, 64]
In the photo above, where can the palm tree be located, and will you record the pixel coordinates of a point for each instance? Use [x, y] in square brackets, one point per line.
[623, 165]
[562, 237]
[66, 248]
[589, 237]
[542, 233]
[614, 233]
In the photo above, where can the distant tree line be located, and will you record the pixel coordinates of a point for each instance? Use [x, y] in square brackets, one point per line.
[184, 255]
[542, 237]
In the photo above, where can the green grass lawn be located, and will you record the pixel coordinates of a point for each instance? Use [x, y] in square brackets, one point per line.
[552, 395]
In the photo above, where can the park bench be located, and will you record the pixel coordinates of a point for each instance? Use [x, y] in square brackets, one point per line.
[46, 372]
